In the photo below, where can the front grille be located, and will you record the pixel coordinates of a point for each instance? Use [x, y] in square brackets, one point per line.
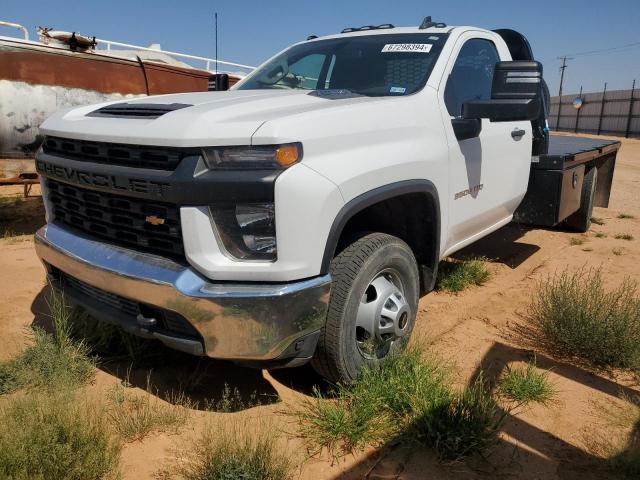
[168, 321]
[122, 220]
[137, 156]
[121, 304]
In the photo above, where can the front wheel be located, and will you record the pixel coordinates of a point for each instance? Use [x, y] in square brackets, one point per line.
[372, 309]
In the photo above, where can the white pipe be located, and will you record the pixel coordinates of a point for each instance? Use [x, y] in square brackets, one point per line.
[18, 26]
[175, 54]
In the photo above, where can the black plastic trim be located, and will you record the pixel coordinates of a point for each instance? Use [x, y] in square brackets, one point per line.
[106, 313]
[183, 186]
[375, 196]
[297, 353]
[137, 110]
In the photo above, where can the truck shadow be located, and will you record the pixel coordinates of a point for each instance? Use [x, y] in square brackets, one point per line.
[502, 246]
[529, 451]
[203, 383]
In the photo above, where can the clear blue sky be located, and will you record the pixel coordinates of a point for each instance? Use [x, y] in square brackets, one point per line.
[251, 30]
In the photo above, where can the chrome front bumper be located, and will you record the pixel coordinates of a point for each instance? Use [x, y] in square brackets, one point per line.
[252, 322]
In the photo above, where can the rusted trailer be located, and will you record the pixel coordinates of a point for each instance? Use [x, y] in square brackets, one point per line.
[63, 70]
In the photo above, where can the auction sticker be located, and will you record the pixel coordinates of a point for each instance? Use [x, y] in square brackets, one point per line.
[407, 47]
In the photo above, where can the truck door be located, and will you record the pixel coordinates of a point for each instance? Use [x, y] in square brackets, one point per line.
[488, 175]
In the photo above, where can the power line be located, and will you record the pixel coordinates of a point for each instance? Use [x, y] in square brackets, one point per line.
[604, 50]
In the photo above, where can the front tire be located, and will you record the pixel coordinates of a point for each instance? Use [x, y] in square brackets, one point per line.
[372, 308]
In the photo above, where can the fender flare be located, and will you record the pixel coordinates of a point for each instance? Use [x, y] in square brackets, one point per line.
[377, 195]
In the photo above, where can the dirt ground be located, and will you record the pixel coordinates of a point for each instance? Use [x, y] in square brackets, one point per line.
[474, 330]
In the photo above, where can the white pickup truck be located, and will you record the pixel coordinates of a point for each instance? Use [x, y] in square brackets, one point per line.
[300, 215]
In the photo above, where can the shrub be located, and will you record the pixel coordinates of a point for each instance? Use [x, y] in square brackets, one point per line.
[457, 275]
[342, 425]
[53, 360]
[134, 416]
[407, 398]
[465, 423]
[526, 385]
[624, 236]
[578, 317]
[236, 451]
[55, 436]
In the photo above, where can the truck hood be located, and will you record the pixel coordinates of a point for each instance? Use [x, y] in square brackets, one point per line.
[211, 118]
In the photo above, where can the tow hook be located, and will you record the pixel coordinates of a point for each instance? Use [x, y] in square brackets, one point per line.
[146, 321]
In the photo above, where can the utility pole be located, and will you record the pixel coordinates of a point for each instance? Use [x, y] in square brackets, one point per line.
[562, 68]
[216, 22]
[631, 99]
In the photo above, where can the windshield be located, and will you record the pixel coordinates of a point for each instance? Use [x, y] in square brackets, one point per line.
[374, 65]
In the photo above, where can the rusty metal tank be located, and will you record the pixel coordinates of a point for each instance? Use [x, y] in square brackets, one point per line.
[65, 70]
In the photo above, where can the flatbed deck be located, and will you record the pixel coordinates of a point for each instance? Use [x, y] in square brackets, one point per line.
[555, 188]
[567, 152]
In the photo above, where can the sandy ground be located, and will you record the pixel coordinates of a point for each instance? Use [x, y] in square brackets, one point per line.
[474, 330]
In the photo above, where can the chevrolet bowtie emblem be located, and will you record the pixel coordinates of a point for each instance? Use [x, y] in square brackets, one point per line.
[153, 220]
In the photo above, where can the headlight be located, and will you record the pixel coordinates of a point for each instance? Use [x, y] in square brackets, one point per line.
[247, 231]
[253, 157]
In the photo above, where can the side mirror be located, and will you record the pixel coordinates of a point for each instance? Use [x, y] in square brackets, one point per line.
[516, 94]
[466, 128]
[218, 82]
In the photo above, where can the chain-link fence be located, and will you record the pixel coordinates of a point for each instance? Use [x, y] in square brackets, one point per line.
[613, 112]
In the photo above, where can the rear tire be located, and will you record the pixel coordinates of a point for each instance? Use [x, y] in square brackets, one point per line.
[580, 221]
[372, 308]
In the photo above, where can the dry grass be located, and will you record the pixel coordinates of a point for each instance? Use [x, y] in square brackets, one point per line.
[573, 241]
[621, 450]
[600, 235]
[626, 216]
[56, 436]
[578, 317]
[624, 236]
[53, 360]
[597, 220]
[135, 415]
[232, 451]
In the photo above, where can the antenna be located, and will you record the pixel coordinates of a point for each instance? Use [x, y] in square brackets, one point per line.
[216, 22]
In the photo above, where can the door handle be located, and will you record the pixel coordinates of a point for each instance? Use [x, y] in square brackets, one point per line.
[517, 133]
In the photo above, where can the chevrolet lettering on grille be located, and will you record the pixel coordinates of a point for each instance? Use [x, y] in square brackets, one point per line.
[94, 179]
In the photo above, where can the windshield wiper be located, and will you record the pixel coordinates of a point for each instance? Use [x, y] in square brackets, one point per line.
[335, 93]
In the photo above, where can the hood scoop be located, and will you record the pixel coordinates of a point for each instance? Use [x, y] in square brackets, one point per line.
[137, 110]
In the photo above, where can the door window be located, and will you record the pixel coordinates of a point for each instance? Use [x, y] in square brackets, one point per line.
[472, 75]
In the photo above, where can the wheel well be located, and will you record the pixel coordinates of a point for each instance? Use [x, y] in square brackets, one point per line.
[412, 217]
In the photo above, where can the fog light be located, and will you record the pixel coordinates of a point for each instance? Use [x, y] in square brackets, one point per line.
[247, 231]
